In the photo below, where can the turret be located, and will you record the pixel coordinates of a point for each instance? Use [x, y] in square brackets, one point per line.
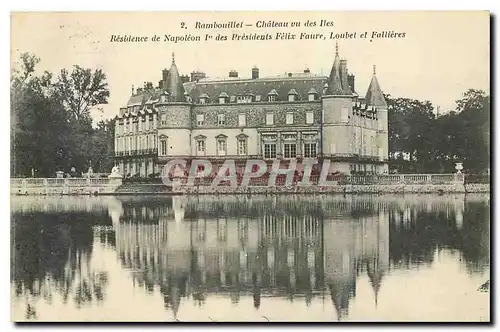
[337, 108]
[375, 98]
[174, 118]
[334, 80]
[374, 95]
[174, 84]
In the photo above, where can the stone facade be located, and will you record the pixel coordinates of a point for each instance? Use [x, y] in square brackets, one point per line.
[295, 116]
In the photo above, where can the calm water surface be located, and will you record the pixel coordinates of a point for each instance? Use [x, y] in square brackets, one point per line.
[235, 258]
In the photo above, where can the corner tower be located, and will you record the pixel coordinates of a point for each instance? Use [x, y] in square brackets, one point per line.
[174, 114]
[337, 107]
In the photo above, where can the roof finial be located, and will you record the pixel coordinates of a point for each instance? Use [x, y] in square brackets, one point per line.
[374, 70]
[336, 48]
[173, 57]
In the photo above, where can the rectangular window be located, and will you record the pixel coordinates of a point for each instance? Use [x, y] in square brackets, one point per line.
[344, 114]
[242, 120]
[272, 98]
[221, 119]
[200, 119]
[289, 118]
[200, 147]
[221, 147]
[269, 119]
[290, 150]
[311, 97]
[310, 150]
[163, 119]
[222, 100]
[163, 147]
[257, 98]
[309, 117]
[291, 97]
[270, 150]
[202, 100]
[242, 146]
[232, 99]
[380, 125]
[139, 124]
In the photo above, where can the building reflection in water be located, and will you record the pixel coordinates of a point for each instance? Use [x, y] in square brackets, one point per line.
[291, 248]
[187, 249]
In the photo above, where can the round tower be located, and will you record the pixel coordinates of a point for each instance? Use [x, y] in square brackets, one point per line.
[174, 113]
[337, 108]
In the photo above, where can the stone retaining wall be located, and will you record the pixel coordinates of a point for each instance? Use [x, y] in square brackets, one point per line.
[111, 188]
[346, 189]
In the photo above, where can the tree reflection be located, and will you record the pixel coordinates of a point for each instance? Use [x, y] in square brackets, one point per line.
[416, 234]
[52, 255]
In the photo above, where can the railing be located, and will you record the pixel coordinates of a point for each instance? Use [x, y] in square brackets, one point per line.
[386, 179]
[140, 152]
[44, 185]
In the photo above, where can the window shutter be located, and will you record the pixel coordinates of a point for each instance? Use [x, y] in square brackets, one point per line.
[344, 115]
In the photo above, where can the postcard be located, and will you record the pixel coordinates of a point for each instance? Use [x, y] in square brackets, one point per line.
[250, 166]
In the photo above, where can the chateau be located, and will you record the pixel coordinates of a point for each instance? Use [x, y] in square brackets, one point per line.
[293, 116]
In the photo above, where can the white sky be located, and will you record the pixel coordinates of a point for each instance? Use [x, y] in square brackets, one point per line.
[442, 55]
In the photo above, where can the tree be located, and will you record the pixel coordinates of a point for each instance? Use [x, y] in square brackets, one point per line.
[51, 127]
[436, 144]
[81, 90]
[38, 122]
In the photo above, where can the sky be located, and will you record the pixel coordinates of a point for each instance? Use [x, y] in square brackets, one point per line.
[441, 55]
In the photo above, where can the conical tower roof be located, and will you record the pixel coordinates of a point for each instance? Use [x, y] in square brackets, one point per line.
[174, 84]
[335, 78]
[375, 275]
[374, 95]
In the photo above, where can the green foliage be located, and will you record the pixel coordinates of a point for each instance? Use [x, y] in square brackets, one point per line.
[51, 128]
[434, 144]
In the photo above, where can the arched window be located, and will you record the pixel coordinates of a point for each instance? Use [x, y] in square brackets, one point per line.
[163, 151]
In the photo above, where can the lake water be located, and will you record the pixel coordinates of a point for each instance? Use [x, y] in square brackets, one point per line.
[239, 258]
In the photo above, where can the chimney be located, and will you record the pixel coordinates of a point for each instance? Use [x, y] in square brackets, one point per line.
[197, 75]
[255, 73]
[306, 71]
[343, 75]
[164, 76]
[290, 74]
[350, 80]
[233, 73]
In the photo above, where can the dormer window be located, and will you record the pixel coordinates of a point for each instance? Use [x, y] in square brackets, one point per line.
[244, 99]
[164, 97]
[312, 94]
[223, 97]
[203, 98]
[292, 95]
[325, 88]
[271, 96]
